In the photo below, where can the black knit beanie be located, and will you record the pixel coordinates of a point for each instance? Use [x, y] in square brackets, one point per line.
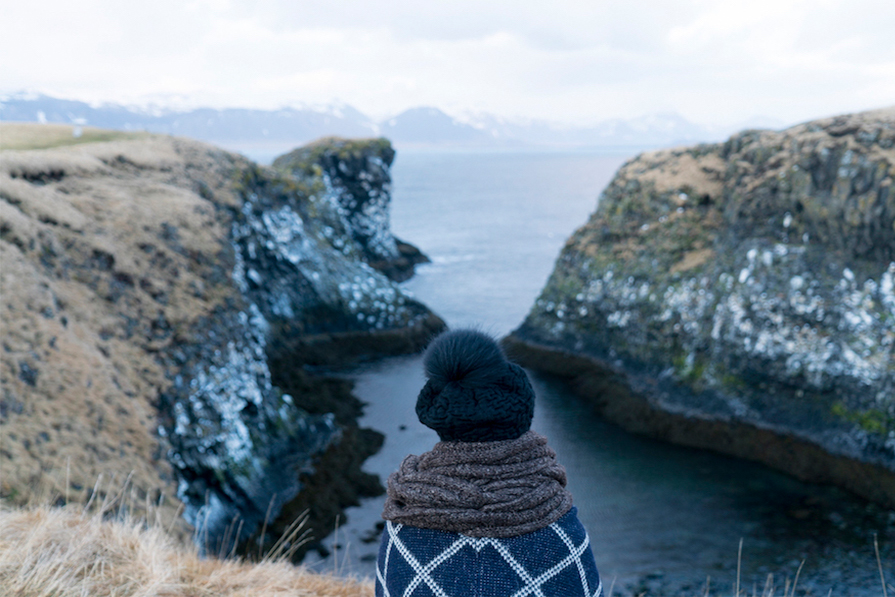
[473, 393]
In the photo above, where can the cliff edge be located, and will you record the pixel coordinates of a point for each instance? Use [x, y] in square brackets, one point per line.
[741, 297]
[357, 175]
[160, 301]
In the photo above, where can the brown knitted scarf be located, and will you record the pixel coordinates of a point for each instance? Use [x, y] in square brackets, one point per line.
[480, 489]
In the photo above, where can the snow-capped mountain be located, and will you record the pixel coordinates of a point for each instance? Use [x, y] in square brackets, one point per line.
[268, 132]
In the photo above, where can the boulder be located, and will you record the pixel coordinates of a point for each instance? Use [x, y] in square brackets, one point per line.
[741, 297]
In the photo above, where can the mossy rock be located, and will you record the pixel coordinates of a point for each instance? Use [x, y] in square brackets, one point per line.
[751, 281]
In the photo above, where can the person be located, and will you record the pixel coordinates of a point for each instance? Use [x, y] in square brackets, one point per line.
[486, 512]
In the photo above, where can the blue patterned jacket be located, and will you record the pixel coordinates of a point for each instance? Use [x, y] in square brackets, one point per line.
[555, 561]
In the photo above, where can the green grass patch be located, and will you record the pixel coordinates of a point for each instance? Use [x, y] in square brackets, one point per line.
[872, 420]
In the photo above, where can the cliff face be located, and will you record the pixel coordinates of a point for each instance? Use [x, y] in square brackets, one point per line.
[741, 297]
[356, 174]
[154, 293]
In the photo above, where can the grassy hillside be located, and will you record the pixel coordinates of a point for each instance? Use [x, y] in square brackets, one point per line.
[27, 135]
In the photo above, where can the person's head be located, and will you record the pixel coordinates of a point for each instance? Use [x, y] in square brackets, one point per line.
[473, 394]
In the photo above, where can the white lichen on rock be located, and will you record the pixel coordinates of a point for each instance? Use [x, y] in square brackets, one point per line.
[334, 277]
[751, 281]
[299, 271]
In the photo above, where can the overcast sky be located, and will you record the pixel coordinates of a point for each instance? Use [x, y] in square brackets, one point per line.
[713, 61]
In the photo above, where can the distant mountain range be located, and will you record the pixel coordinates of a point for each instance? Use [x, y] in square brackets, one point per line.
[263, 134]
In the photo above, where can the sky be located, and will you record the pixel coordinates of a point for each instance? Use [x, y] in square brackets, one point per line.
[717, 62]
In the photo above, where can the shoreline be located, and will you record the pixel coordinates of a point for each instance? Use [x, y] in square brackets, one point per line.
[304, 369]
[609, 393]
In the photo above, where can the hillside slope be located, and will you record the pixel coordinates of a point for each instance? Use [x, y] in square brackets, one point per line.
[160, 298]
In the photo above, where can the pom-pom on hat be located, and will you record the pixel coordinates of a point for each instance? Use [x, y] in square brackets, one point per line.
[474, 394]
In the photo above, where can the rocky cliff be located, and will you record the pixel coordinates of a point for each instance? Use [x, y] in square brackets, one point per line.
[160, 300]
[741, 297]
[356, 174]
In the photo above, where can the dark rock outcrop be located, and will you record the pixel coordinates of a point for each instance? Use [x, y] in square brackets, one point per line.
[741, 297]
[161, 300]
[357, 179]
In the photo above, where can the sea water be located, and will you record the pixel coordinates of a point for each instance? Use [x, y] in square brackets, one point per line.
[657, 514]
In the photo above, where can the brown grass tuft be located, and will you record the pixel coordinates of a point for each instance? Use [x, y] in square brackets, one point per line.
[63, 552]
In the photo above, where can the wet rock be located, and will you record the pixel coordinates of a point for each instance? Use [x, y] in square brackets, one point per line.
[356, 178]
[741, 297]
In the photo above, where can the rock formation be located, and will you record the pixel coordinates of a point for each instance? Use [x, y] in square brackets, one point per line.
[741, 297]
[160, 298]
[356, 175]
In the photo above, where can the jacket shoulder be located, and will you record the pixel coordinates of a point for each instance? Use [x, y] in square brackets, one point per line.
[555, 560]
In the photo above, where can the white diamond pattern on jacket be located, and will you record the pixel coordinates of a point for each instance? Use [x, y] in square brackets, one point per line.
[532, 587]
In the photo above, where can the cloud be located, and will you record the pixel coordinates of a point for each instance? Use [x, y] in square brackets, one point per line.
[719, 60]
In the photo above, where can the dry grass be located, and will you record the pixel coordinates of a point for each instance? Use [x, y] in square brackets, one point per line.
[63, 552]
[83, 326]
[28, 135]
